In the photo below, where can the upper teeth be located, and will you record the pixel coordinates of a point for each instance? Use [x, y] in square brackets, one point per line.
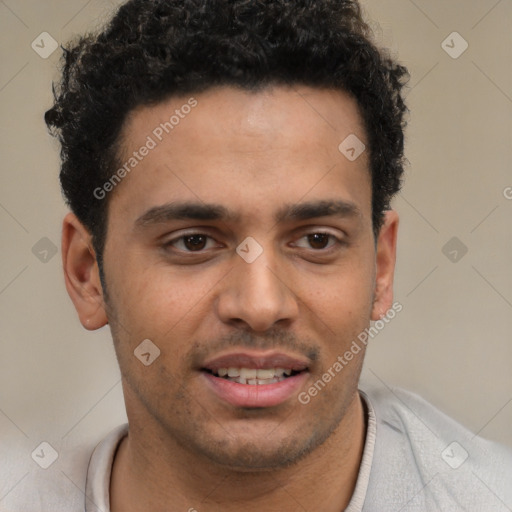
[253, 373]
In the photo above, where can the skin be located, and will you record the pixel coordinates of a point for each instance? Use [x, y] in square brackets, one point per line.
[251, 153]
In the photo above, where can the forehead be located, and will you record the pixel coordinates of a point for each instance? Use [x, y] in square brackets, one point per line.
[232, 114]
[263, 148]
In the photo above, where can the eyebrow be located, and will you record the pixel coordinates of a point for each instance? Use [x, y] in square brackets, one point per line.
[313, 209]
[186, 210]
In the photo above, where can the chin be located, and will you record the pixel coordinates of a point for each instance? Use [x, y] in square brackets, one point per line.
[262, 452]
[251, 457]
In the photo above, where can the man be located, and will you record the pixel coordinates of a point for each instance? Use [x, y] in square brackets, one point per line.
[230, 166]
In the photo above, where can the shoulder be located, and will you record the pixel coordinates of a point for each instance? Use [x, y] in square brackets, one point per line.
[426, 459]
[39, 476]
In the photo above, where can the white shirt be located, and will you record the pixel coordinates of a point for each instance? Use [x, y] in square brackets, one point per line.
[415, 459]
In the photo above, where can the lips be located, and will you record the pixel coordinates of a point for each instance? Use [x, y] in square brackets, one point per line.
[256, 361]
[246, 379]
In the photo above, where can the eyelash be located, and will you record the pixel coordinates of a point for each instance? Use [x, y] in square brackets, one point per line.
[326, 250]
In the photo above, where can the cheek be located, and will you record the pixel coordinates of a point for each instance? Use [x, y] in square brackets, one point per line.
[144, 295]
[147, 305]
[153, 302]
[344, 298]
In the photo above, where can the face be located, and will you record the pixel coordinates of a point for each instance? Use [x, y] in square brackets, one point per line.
[242, 243]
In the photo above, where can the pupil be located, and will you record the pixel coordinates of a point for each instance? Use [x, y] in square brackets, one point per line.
[318, 239]
[195, 242]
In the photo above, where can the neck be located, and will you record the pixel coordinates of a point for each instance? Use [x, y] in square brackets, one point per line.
[152, 475]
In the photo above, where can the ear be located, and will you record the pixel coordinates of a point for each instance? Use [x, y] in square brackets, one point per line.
[385, 265]
[81, 273]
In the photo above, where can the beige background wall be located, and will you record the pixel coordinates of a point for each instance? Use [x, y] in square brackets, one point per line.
[452, 341]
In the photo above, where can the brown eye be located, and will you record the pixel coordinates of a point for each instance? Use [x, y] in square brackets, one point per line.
[195, 242]
[318, 240]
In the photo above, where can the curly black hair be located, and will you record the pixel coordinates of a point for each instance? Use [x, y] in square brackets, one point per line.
[153, 49]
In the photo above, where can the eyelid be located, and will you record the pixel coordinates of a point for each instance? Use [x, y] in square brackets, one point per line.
[177, 237]
[319, 231]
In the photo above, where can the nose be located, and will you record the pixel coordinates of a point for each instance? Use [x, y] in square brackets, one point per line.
[258, 295]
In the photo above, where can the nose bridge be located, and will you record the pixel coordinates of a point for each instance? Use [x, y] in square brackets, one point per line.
[260, 278]
[256, 294]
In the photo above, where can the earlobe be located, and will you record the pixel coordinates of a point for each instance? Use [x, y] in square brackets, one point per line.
[385, 265]
[81, 273]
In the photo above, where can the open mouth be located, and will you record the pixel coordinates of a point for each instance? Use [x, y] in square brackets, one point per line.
[255, 379]
[253, 376]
